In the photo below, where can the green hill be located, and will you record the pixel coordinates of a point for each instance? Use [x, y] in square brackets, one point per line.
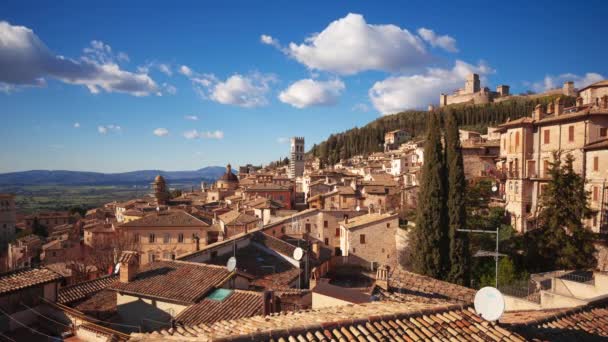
[370, 138]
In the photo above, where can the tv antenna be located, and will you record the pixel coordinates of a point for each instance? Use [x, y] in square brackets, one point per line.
[489, 303]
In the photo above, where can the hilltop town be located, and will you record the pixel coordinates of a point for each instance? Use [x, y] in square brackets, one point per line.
[312, 251]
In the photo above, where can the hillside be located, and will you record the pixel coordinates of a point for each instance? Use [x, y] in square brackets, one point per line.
[370, 138]
[61, 177]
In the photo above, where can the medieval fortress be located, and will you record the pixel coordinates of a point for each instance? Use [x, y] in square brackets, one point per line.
[472, 93]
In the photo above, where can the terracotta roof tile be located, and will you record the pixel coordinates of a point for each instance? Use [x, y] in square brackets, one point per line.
[165, 280]
[170, 218]
[24, 278]
[80, 291]
[238, 304]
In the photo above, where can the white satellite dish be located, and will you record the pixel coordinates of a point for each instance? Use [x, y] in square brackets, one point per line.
[298, 253]
[117, 268]
[358, 208]
[231, 264]
[494, 188]
[489, 303]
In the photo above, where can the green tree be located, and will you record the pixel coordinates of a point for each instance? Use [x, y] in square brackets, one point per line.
[460, 261]
[430, 245]
[561, 241]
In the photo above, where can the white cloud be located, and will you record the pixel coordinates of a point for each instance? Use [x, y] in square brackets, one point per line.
[108, 129]
[361, 107]
[161, 132]
[169, 89]
[165, 69]
[191, 117]
[398, 93]
[240, 90]
[26, 61]
[194, 134]
[269, 40]
[76, 124]
[186, 71]
[552, 82]
[350, 45]
[282, 140]
[445, 42]
[308, 92]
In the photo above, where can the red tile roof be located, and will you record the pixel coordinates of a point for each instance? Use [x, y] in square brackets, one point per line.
[363, 322]
[24, 278]
[85, 289]
[170, 218]
[175, 281]
[238, 304]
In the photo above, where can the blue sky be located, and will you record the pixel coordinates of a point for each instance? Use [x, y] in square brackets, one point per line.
[256, 72]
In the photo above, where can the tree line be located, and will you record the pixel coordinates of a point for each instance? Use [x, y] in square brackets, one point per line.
[370, 138]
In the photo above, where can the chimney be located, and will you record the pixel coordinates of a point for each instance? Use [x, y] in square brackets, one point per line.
[269, 302]
[579, 101]
[382, 277]
[539, 112]
[550, 108]
[345, 219]
[568, 89]
[431, 108]
[559, 106]
[129, 266]
[316, 249]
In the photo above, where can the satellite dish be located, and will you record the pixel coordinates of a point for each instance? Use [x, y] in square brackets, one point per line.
[298, 253]
[231, 264]
[494, 188]
[117, 268]
[489, 303]
[358, 208]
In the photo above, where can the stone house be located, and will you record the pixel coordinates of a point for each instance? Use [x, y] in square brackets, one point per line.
[369, 240]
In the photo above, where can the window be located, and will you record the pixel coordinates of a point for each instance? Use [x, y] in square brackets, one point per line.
[308, 227]
[603, 131]
[596, 163]
[337, 231]
[571, 134]
[283, 229]
[546, 167]
[516, 139]
[546, 136]
[326, 241]
[362, 239]
[180, 238]
[325, 224]
[151, 238]
[596, 193]
[388, 225]
[166, 238]
[136, 237]
[151, 257]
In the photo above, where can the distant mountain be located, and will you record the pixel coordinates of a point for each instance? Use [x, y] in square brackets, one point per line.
[62, 177]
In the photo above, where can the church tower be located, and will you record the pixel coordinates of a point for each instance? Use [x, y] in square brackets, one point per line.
[160, 190]
[296, 160]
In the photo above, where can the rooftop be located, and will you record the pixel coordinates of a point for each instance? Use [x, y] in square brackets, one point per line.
[235, 217]
[24, 278]
[228, 305]
[364, 322]
[85, 289]
[165, 280]
[358, 221]
[170, 218]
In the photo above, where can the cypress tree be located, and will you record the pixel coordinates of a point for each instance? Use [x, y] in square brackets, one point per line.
[429, 239]
[561, 241]
[459, 260]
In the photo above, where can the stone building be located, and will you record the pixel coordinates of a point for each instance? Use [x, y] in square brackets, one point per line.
[8, 218]
[228, 181]
[296, 160]
[167, 234]
[527, 146]
[473, 93]
[160, 190]
[369, 240]
[393, 139]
